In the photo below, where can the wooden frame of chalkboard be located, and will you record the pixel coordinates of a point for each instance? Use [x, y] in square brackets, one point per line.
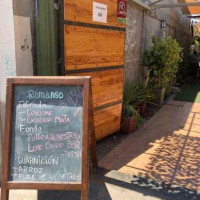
[87, 127]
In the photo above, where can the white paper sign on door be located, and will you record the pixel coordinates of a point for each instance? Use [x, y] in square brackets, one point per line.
[100, 12]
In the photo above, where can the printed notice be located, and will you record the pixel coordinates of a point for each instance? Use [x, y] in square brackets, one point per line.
[100, 12]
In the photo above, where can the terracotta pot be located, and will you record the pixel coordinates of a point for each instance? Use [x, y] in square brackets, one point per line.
[138, 109]
[128, 125]
[143, 107]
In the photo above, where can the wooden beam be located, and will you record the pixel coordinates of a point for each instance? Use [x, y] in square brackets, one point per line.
[140, 3]
[176, 5]
[151, 4]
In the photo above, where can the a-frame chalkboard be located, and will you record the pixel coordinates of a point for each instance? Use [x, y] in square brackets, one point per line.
[46, 138]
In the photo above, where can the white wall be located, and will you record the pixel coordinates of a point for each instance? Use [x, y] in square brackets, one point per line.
[7, 53]
[23, 45]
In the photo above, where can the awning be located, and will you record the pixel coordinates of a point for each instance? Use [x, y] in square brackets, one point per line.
[190, 10]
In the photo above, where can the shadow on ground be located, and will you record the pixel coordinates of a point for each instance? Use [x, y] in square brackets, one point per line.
[166, 148]
[105, 184]
[160, 161]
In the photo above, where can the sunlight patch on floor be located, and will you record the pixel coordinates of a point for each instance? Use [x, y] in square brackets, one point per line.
[175, 158]
[121, 193]
[23, 195]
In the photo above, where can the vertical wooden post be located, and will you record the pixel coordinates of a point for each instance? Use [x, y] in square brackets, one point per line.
[85, 153]
[93, 149]
[6, 141]
[4, 193]
[92, 131]
[84, 193]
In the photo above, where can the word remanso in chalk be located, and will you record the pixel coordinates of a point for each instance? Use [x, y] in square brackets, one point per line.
[45, 95]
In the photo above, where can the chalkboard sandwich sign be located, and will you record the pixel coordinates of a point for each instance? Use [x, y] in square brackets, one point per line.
[46, 138]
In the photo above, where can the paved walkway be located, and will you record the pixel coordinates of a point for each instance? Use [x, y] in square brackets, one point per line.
[166, 149]
[112, 185]
[104, 185]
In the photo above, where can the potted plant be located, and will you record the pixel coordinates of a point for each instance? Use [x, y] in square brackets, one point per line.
[131, 118]
[142, 95]
[173, 59]
[162, 60]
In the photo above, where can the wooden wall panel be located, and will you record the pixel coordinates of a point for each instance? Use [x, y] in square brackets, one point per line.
[91, 48]
[107, 121]
[97, 49]
[107, 86]
[82, 11]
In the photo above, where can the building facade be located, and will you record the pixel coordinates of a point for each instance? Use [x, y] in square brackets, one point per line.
[20, 49]
[143, 24]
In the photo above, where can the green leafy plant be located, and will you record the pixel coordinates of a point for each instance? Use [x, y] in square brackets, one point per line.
[162, 59]
[128, 104]
[134, 94]
[196, 43]
[190, 64]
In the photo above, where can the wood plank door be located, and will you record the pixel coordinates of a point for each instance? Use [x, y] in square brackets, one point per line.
[96, 49]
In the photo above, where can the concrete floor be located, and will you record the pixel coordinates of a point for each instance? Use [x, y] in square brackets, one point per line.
[113, 185]
[159, 161]
[166, 148]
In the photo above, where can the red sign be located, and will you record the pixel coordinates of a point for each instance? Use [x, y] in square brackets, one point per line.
[121, 11]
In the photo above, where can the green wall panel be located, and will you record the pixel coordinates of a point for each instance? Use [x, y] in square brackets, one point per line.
[47, 45]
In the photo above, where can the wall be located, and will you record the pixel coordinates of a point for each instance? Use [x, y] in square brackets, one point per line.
[24, 28]
[133, 42]
[176, 21]
[15, 46]
[177, 26]
[96, 48]
[7, 54]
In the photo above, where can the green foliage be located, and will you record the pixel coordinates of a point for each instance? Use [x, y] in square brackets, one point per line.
[134, 94]
[196, 43]
[190, 65]
[162, 59]
[188, 68]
